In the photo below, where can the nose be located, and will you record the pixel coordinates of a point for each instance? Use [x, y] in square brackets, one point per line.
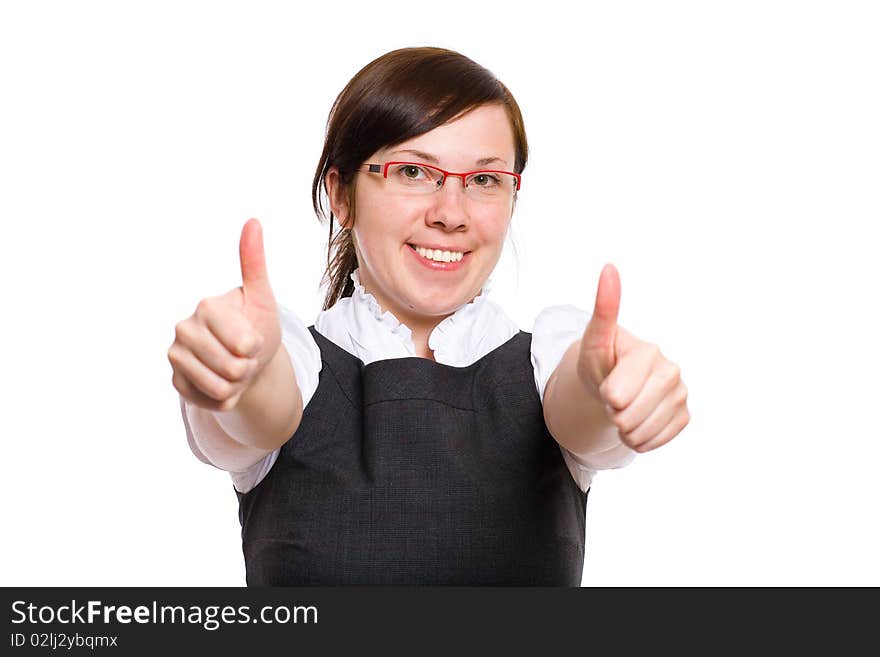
[449, 208]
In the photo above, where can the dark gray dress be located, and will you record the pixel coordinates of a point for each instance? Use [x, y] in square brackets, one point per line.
[410, 472]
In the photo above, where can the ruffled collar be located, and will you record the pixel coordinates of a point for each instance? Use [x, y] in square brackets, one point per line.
[387, 318]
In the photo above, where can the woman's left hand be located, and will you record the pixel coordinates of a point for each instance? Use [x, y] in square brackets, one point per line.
[642, 390]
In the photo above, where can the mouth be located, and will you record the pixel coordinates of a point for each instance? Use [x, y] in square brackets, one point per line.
[439, 259]
[438, 254]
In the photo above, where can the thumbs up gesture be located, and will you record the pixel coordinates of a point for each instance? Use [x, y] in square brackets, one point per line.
[642, 391]
[221, 349]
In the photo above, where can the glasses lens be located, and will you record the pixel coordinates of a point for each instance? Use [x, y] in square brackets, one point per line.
[414, 178]
[491, 185]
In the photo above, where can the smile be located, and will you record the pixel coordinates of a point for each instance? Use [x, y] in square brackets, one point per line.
[438, 255]
[439, 259]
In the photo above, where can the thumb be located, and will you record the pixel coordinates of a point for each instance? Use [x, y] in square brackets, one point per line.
[254, 277]
[597, 345]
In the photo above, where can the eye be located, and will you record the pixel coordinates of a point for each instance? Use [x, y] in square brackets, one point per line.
[413, 173]
[485, 180]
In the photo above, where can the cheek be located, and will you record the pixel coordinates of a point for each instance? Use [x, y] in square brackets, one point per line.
[377, 225]
[394, 218]
[492, 226]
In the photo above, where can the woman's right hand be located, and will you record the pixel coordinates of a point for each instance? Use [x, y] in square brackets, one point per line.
[221, 349]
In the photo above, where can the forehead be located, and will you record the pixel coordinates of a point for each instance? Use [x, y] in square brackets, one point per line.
[482, 133]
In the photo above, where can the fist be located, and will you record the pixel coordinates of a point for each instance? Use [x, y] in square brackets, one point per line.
[642, 390]
[221, 349]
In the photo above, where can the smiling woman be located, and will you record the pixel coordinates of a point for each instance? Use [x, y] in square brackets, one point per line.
[414, 434]
[393, 215]
[389, 111]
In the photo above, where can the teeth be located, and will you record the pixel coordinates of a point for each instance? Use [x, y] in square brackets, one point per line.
[440, 256]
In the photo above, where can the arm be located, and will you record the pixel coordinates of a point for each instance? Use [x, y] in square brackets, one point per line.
[578, 421]
[265, 417]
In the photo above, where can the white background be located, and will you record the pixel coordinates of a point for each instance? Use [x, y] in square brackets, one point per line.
[724, 156]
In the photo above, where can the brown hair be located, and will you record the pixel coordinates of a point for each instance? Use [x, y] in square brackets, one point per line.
[400, 95]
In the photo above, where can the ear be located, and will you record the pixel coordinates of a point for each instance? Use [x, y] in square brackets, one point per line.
[337, 194]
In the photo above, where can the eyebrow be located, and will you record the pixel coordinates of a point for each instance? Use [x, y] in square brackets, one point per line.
[430, 158]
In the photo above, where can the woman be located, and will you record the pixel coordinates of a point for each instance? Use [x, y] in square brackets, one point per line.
[414, 434]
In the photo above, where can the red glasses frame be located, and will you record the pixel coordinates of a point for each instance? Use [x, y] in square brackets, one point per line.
[383, 169]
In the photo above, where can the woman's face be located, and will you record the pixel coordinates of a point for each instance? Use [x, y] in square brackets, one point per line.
[389, 223]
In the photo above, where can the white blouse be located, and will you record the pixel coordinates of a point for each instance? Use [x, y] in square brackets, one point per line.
[358, 325]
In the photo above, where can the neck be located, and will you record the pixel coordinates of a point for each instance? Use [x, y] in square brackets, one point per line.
[420, 326]
[420, 342]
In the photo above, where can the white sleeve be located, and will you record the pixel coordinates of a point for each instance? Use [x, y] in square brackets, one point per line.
[185, 410]
[305, 356]
[555, 329]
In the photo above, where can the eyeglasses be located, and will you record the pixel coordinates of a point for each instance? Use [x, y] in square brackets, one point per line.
[418, 178]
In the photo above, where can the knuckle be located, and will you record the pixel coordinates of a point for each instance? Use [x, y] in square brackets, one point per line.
[180, 331]
[630, 442]
[220, 390]
[205, 307]
[177, 359]
[611, 394]
[614, 397]
[623, 425]
[182, 385]
[245, 344]
[238, 369]
[227, 390]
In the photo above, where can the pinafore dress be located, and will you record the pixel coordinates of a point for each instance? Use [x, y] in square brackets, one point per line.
[410, 472]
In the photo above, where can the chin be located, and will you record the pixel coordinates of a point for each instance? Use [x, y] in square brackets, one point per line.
[444, 306]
